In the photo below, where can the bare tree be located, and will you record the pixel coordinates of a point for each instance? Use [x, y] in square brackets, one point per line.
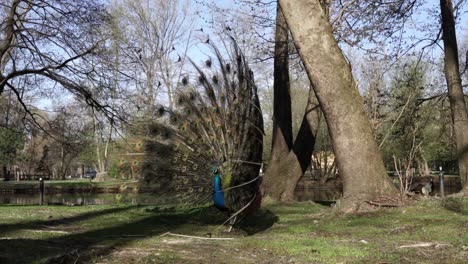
[69, 138]
[49, 44]
[155, 35]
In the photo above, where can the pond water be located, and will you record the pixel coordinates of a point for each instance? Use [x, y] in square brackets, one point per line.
[83, 199]
[313, 194]
[330, 194]
[316, 194]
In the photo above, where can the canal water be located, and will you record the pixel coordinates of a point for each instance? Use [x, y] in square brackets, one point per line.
[84, 199]
[317, 194]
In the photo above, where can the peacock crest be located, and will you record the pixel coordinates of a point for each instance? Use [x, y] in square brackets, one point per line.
[215, 130]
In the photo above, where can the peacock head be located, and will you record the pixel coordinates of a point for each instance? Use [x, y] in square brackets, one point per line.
[215, 170]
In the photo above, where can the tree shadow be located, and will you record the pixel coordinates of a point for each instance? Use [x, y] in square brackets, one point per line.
[6, 228]
[84, 247]
[454, 205]
[259, 221]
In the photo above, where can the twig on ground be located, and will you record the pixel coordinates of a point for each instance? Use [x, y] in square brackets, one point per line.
[126, 236]
[425, 244]
[197, 237]
[48, 231]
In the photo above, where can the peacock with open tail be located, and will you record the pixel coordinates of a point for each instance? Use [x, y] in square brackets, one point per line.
[210, 146]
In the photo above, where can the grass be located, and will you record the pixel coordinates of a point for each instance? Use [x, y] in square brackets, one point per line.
[278, 233]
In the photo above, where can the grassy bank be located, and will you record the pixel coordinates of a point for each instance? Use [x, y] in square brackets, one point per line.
[430, 231]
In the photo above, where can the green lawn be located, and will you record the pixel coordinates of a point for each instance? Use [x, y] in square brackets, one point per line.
[279, 233]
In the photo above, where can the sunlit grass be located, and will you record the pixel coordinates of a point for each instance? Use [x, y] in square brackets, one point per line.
[280, 233]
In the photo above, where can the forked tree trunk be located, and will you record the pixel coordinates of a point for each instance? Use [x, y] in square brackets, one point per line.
[274, 181]
[288, 162]
[455, 90]
[358, 158]
[298, 159]
[282, 175]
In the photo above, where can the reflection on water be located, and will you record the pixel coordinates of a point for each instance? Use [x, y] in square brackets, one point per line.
[84, 199]
[301, 194]
[334, 193]
[318, 194]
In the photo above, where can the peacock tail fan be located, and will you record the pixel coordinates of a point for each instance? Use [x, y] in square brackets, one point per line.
[217, 122]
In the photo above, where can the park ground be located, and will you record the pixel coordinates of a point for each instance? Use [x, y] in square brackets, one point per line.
[431, 230]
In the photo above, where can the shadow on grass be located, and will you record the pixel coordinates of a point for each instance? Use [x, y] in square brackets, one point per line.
[260, 221]
[89, 245]
[8, 228]
[454, 205]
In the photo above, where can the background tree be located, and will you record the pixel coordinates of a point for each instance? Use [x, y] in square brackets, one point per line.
[154, 35]
[68, 139]
[12, 134]
[49, 45]
[455, 90]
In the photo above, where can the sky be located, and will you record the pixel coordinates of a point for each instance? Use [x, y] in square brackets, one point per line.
[199, 54]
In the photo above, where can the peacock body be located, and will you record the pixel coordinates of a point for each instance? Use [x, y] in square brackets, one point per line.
[210, 146]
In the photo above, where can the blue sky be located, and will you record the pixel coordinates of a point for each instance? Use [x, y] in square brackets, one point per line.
[462, 31]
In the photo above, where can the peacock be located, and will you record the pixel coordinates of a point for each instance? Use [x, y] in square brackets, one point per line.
[209, 147]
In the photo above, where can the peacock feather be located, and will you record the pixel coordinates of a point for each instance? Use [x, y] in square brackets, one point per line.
[213, 137]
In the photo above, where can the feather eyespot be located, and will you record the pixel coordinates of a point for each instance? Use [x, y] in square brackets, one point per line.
[185, 80]
[201, 79]
[160, 111]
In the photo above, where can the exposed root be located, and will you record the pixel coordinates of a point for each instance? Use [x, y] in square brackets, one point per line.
[386, 201]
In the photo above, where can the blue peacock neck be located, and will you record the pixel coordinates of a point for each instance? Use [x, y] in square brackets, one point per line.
[218, 193]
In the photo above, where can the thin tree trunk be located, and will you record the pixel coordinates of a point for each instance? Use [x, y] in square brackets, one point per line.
[62, 164]
[358, 158]
[106, 149]
[98, 143]
[4, 172]
[455, 90]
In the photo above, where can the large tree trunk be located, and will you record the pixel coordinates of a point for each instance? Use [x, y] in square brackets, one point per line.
[358, 158]
[455, 90]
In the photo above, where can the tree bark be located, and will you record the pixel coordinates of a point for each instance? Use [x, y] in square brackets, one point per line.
[455, 90]
[274, 180]
[358, 158]
[97, 141]
[288, 161]
[282, 120]
[298, 159]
